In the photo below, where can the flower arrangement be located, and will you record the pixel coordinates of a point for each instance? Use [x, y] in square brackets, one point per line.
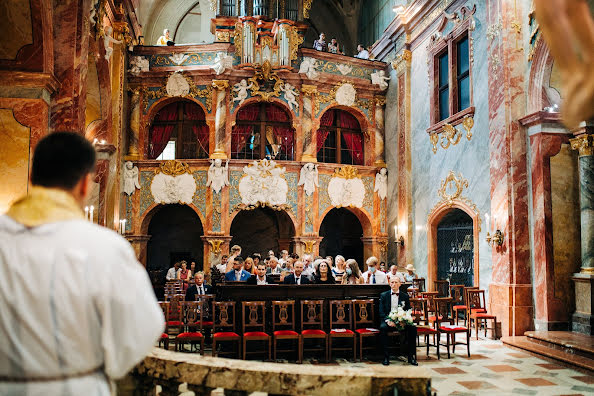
[400, 318]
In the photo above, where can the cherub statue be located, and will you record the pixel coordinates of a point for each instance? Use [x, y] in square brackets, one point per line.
[139, 64]
[381, 183]
[222, 62]
[380, 79]
[93, 11]
[130, 178]
[241, 89]
[218, 175]
[308, 178]
[290, 95]
[308, 67]
[107, 40]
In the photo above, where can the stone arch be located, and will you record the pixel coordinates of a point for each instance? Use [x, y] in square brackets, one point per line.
[363, 216]
[435, 217]
[149, 213]
[256, 99]
[232, 216]
[357, 113]
[540, 73]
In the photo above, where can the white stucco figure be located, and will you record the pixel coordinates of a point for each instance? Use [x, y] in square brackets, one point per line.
[346, 192]
[290, 95]
[263, 183]
[381, 183]
[308, 67]
[344, 69]
[222, 63]
[131, 182]
[379, 78]
[241, 88]
[178, 59]
[218, 175]
[346, 95]
[107, 40]
[168, 189]
[139, 64]
[308, 178]
[93, 13]
[177, 85]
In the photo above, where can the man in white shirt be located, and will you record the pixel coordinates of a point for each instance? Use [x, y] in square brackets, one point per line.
[394, 273]
[222, 267]
[92, 314]
[362, 52]
[308, 269]
[172, 273]
[372, 276]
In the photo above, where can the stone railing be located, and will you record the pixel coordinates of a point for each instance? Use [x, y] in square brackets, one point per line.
[239, 377]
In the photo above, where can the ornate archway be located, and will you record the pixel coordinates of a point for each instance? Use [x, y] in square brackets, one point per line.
[342, 232]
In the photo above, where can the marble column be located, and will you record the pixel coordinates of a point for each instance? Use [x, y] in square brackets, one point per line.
[309, 142]
[583, 318]
[221, 87]
[134, 132]
[139, 244]
[380, 162]
[214, 248]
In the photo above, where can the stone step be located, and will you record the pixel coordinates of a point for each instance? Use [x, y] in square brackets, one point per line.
[528, 344]
[579, 344]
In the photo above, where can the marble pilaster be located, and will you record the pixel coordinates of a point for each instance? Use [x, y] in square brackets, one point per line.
[380, 162]
[221, 87]
[139, 244]
[309, 141]
[214, 247]
[134, 131]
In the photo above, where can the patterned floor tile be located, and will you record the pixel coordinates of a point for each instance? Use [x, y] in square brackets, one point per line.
[449, 370]
[550, 366]
[586, 389]
[500, 368]
[535, 382]
[587, 379]
[476, 385]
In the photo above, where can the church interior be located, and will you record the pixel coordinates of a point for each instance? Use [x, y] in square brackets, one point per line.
[435, 135]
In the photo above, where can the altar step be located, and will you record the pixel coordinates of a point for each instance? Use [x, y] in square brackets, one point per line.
[573, 349]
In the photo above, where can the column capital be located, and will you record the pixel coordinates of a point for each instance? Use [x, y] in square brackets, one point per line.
[584, 144]
[310, 90]
[220, 84]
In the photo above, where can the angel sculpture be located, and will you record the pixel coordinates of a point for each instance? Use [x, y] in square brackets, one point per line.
[308, 67]
[138, 64]
[130, 178]
[381, 183]
[241, 89]
[380, 79]
[290, 95]
[222, 62]
[308, 178]
[218, 175]
[93, 13]
[178, 59]
[107, 40]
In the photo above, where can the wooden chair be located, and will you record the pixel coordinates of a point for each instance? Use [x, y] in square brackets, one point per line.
[445, 324]
[476, 299]
[341, 315]
[442, 287]
[364, 325]
[458, 302]
[468, 309]
[419, 314]
[312, 325]
[283, 327]
[419, 284]
[207, 321]
[164, 339]
[224, 325]
[175, 320]
[255, 313]
[192, 314]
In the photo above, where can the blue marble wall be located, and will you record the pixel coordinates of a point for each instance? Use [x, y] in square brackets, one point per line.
[470, 158]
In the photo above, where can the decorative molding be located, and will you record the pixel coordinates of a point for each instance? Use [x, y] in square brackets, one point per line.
[215, 245]
[306, 8]
[308, 245]
[584, 144]
[494, 30]
[295, 41]
[449, 135]
[346, 189]
[264, 184]
[451, 187]
[265, 74]
[220, 84]
[173, 168]
[402, 60]
[192, 91]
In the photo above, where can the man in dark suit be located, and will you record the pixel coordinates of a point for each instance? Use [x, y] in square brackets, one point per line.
[237, 273]
[297, 278]
[389, 301]
[198, 288]
[260, 277]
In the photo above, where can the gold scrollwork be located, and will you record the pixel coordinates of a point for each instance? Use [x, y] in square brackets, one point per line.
[346, 172]
[308, 245]
[306, 7]
[403, 59]
[215, 245]
[449, 135]
[220, 84]
[223, 36]
[380, 100]
[266, 74]
[285, 207]
[308, 210]
[451, 188]
[295, 41]
[173, 168]
[238, 38]
[584, 144]
[468, 123]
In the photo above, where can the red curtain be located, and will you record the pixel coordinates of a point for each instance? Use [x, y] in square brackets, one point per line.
[193, 112]
[160, 134]
[275, 113]
[347, 120]
[354, 142]
[241, 133]
[201, 132]
[325, 122]
[278, 114]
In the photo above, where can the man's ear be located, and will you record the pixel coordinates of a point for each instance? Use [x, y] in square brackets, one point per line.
[83, 188]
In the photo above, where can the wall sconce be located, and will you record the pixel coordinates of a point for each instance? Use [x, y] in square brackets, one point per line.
[398, 240]
[496, 237]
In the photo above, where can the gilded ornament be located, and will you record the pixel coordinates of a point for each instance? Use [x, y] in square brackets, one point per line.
[380, 100]
[434, 137]
[468, 123]
[346, 172]
[306, 7]
[223, 36]
[451, 188]
[584, 144]
[238, 38]
[310, 90]
[449, 135]
[308, 245]
[295, 41]
[266, 74]
[220, 84]
[403, 59]
[215, 245]
[173, 168]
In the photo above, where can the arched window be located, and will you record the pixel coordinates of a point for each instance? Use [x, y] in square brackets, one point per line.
[340, 139]
[262, 130]
[179, 131]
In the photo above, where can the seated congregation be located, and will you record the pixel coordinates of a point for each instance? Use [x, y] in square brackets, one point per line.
[267, 308]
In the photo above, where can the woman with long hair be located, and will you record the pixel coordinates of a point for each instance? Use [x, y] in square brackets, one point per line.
[248, 265]
[339, 268]
[352, 275]
[323, 275]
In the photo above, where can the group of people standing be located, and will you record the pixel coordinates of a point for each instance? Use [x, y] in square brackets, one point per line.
[334, 48]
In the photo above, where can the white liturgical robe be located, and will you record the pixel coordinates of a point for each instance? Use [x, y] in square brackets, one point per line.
[73, 300]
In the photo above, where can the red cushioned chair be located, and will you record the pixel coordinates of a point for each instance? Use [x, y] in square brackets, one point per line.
[223, 327]
[341, 315]
[479, 315]
[364, 324]
[312, 326]
[164, 339]
[207, 322]
[419, 314]
[175, 321]
[445, 324]
[458, 302]
[253, 319]
[283, 327]
[192, 312]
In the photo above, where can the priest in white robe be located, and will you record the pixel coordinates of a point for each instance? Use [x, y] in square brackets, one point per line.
[77, 310]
